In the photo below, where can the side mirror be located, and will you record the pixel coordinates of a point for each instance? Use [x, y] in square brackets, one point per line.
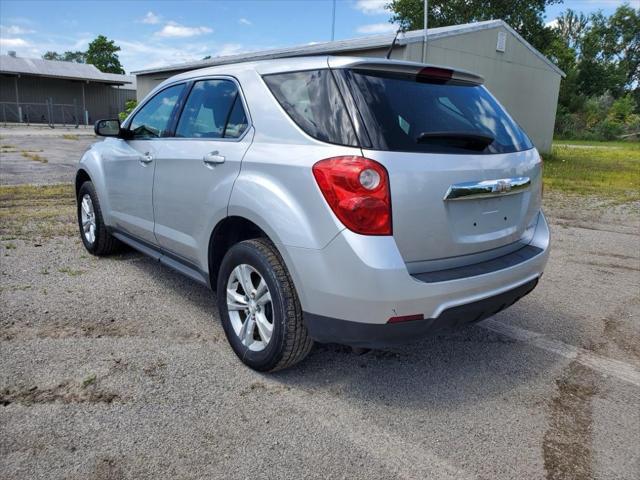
[107, 128]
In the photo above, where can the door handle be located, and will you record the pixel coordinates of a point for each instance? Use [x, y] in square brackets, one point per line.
[146, 158]
[213, 158]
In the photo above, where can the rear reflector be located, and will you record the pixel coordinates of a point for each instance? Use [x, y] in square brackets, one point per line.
[406, 318]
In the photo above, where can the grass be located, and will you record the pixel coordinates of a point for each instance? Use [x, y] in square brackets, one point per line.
[34, 156]
[609, 170]
[71, 272]
[70, 136]
[90, 380]
[30, 212]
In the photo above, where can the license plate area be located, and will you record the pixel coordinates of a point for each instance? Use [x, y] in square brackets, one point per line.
[485, 219]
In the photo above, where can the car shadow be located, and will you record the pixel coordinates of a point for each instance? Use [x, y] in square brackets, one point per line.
[444, 370]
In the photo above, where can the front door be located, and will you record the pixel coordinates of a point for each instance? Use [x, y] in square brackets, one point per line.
[197, 167]
[129, 165]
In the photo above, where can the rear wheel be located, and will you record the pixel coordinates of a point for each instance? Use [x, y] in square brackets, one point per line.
[259, 307]
[93, 232]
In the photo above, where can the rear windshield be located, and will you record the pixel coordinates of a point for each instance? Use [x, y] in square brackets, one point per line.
[313, 102]
[404, 113]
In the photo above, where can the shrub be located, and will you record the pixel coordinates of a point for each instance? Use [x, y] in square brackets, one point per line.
[128, 108]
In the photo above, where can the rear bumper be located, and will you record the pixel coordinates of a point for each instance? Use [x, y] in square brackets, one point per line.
[371, 335]
[350, 289]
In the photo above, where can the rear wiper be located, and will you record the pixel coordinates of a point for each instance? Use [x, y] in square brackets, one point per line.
[466, 140]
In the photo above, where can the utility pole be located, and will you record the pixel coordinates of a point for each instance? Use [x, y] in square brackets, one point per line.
[426, 25]
[333, 21]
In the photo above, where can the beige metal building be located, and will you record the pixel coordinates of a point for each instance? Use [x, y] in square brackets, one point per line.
[524, 80]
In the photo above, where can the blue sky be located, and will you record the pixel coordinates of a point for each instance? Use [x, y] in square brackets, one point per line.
[156, 33]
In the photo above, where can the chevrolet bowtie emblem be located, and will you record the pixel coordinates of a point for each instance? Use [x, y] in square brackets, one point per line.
[502, 186]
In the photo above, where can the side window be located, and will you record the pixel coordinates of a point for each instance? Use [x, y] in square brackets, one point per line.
[213, 110]
[313, 102]
[152, 121]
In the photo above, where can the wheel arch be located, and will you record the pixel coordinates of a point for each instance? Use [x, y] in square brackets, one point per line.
[236, 228]
[81, 176]
[229, 231]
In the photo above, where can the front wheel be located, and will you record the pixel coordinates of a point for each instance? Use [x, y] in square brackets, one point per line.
[259, 308]
[93, 232]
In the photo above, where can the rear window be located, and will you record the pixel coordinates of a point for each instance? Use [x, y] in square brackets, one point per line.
[313, 102]
[404, 113]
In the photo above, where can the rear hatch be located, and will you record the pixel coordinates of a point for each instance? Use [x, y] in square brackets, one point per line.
[465, 180]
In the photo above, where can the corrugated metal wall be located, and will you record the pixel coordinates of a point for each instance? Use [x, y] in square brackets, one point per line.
[101, 101]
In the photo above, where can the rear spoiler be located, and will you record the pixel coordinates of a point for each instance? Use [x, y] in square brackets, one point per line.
[428, 72]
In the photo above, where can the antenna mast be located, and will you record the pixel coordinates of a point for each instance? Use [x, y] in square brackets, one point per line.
[333, 21]
[426, 24]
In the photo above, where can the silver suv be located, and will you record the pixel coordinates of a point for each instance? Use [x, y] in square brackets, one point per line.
[360, 201]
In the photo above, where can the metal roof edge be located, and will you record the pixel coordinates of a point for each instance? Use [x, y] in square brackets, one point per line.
[322, 48]
[39, 67]
[374, 41]
[533, 50]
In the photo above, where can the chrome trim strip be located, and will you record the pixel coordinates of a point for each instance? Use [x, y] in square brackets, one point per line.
[487, 188]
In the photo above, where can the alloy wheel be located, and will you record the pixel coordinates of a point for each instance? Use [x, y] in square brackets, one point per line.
[250, 307]
[88, 218]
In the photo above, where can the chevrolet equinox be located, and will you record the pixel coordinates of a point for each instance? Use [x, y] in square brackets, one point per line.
[333, 199]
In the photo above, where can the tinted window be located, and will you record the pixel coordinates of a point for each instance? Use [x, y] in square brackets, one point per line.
[237, 122]
[213, 110]
[153, 119]
[312, 100]
[405, 114]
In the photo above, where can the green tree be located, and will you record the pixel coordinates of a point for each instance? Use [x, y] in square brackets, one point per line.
[525, 16]
[570, 27]
[103, 54]
[77, 56]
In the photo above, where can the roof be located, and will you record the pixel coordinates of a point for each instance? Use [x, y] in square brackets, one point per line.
[361, 43]
[56, 69]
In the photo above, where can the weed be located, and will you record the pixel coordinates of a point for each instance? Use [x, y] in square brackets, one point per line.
[90, 380]
[34, 156]
[70, 272]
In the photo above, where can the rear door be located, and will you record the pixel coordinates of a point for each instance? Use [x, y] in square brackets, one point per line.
[465, 180]
[196, 168]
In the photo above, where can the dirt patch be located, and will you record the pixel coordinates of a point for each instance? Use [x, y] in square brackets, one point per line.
[617, 330]
[567, 444]
[64, 392]
[263, 388]
[108, 468]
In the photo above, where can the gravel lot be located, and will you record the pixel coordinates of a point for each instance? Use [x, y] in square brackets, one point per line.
[57, 151]
[118, 368]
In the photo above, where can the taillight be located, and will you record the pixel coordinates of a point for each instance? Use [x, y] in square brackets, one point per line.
[357, 190]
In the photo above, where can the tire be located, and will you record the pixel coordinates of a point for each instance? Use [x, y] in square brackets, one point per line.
[289, 340]
[103, 243]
